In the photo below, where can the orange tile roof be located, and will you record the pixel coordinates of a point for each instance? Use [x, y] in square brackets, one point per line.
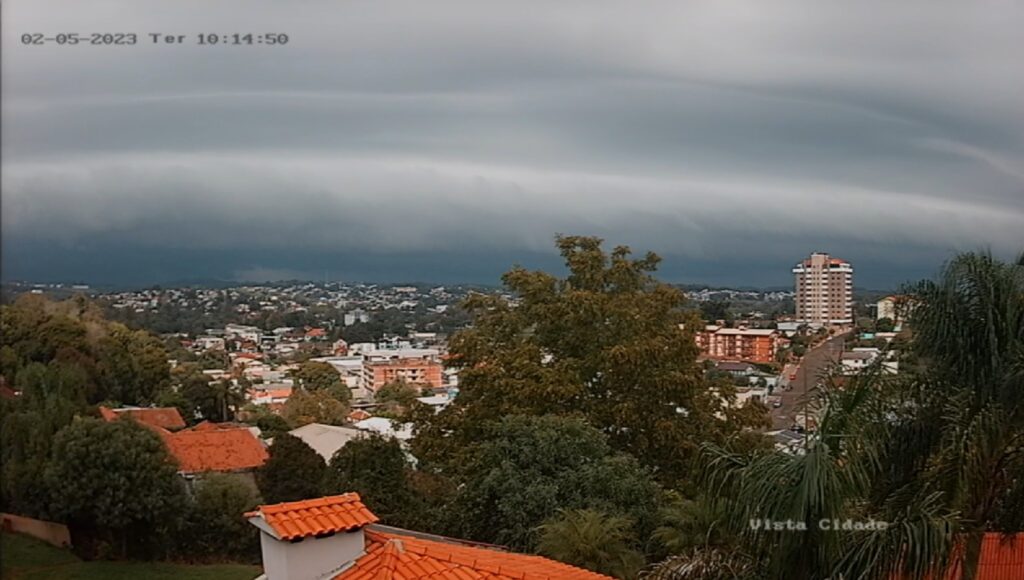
[1001, 558]
[216, 449]
[211, 426]
[315, 517]
[408, 558]
[359, 415]
[163, 417]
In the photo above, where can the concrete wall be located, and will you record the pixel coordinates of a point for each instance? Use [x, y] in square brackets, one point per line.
[310, 559]
[49, 532]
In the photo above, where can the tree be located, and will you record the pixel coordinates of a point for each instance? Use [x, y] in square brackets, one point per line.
[528, 468]
[173, 398]
[714, 310]
[379, 471]
[215, 527]
[593, 540]
[292, 472]
[840, 474]
[608, 341]
[320, 376]
[935, 451]
[969, 325]
[303, 408]
[396, 397]
[113, 481]
[884, 325]
[269, 424]
[215, 401]
[694, 523]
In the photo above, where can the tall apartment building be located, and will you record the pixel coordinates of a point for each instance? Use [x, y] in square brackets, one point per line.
[824, 290]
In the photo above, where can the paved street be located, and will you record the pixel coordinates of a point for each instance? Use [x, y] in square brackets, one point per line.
[791, 392]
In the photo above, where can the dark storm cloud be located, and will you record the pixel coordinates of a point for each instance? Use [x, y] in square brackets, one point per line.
[731, 137]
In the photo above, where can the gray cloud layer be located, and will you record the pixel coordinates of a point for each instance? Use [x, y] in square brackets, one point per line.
[739, 133]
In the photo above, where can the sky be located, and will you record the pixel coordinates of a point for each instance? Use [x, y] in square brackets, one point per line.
[446, 141]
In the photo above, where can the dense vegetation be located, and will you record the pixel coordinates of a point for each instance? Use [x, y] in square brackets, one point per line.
[584, 429]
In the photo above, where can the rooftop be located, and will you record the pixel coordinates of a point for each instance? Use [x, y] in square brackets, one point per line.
[210, 447]
[163, 417]
[327, 439]
[315, 517]
[391, 555]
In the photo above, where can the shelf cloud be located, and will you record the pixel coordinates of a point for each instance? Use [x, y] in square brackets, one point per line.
[445, 140]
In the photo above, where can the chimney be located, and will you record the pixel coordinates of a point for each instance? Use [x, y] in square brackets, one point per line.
[311, 539]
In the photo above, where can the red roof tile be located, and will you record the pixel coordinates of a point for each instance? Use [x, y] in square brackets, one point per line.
[1002, 558]
[107, 414]
[404, 557]
[315, 517]
[163, 417]
[216, 449]
[359, 415]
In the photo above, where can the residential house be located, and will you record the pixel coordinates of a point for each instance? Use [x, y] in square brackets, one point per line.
[167, 418]
[338, 538]
[737, 369]
[896, 308]
[204, 448]
[205, 343]
[216, 448]
[386, 428]
[860, 358]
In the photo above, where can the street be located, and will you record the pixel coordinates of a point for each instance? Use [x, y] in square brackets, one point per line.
[810, 368]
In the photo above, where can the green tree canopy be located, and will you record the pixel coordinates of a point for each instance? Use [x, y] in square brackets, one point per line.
[530, 467]
[321, 376]
[292, 472]
[593, 540]
[304, 407]
[396, 398]
[608, 341]
[215, 527]
[377, 469]
[114, 479]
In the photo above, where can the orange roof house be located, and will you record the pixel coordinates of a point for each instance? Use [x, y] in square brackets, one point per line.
[162, 417]
[1001, 558]
[359, 415]
[316, 333]
[403, 556]
[213, 448]
[316, 517]
[337, 537]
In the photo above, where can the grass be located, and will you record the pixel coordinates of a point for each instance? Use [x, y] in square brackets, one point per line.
[25, 558]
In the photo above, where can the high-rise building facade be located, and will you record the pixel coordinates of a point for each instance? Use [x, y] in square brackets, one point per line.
[824, 290]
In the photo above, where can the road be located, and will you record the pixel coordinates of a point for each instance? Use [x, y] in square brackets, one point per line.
[810, 368]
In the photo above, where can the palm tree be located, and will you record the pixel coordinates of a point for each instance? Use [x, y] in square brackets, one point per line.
[937, 453]
[693, 523]
[969, 326]
[705, 564]
[593, 540]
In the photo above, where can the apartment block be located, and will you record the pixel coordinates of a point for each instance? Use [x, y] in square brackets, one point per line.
[742, 344]
[415, 371]
[824, 290]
